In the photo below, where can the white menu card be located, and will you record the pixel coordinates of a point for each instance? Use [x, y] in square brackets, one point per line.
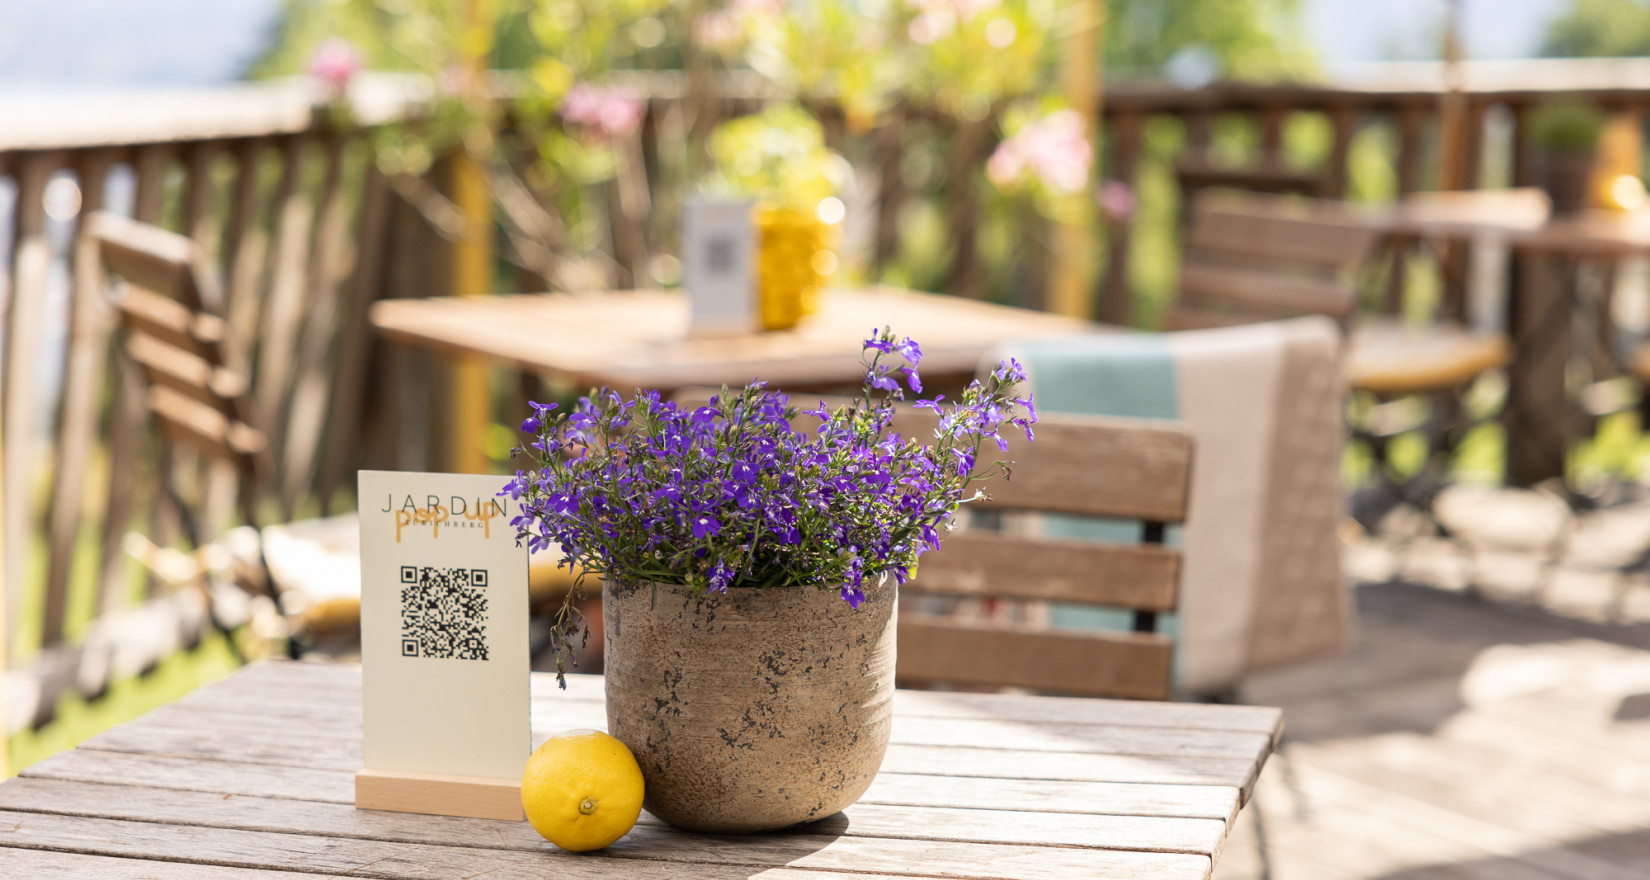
[444, 656]
[718, 256]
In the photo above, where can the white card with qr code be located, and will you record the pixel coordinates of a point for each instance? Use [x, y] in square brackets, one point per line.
[444, 656]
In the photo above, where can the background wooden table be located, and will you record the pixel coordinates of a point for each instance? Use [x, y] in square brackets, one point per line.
[252, 779]
[1538, 307]
[638, 339]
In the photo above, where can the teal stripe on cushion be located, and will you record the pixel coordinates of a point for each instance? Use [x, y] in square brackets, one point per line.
[1123, 375]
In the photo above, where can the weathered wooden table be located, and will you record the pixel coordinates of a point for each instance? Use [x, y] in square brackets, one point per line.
[639, 339]
[252, 779]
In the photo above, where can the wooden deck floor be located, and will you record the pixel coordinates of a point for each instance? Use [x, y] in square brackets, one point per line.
[1493, 721]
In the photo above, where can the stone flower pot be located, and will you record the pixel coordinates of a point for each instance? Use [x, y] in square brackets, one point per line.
[754, 710]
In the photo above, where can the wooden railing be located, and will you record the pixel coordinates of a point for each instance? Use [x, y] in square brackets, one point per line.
[306, 232]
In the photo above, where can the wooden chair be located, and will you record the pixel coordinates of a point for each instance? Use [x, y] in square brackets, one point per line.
[1255, 258]
[1252, 258]
[1128, 469]
[170, 310]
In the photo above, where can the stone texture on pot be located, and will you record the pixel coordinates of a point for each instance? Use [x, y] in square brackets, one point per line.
[754, 710]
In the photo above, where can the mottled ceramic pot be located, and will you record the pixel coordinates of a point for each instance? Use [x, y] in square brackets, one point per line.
[750, 711]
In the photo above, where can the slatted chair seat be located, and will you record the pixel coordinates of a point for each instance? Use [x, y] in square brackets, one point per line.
[1392, 359]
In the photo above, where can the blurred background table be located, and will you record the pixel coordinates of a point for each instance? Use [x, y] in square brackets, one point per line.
[639, 339]
[1538, 306]
[253, 777]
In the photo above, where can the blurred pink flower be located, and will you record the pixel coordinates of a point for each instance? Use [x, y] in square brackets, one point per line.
[609, 111]
[1116, 200]
[335, 63]
[939, 18]
[931, 26]
[1053, 149]
[717, 29]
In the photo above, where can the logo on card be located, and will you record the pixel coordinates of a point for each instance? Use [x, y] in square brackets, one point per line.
[457, 513]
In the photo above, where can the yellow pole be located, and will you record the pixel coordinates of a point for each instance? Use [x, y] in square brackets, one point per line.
[472, 398]
[5, 629]
[1070, 281]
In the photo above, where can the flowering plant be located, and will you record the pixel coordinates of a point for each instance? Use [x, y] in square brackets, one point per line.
[731, 495]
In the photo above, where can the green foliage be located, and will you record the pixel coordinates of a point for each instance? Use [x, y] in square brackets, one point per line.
[1566, 126]
[777, 156]
[1249, 39]
[1599, 29]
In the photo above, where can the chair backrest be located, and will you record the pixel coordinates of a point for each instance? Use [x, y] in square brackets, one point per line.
[1129, 469]
[1137, 470]
[170, 307]
[1251, 258]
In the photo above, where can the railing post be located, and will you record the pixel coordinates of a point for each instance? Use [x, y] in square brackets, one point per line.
[1117, 300]
[30, 263]
[89, 329]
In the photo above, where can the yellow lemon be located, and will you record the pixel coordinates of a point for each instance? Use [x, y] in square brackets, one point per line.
[582, 790]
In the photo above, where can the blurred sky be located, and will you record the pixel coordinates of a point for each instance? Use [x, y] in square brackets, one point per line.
[1351, 31]
[68, 44]
[149, 43]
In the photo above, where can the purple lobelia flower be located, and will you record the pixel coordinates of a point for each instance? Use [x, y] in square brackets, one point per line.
[731, 495]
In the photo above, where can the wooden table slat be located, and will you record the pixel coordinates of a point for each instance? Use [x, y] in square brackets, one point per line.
[647, 853]
[308, 683]
[957, 825]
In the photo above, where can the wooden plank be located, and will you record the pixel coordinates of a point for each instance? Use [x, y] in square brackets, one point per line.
[1214, 286]
[314, 372]
[284, 309]
[337, 746]
[288, 686]
[1165, 800]
[346, 418]
[999, 826]
[890, 159]
[1117, 290]
[173, 323]
[203, 428]
[646, 853]
[246, 247]
[186, 373]
[25, 325]
[1539, 418]
[967, 145]
[1087, 465]
[1279, 230]
[200, 192]
[1409, 120]
[438, 795]
[50, 865]
[982, 563]
[154, 259]
[90, 324]
[1343, 120]
[1132, 665]
[149, 162]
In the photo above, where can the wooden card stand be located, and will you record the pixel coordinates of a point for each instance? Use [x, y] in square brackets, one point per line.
[474, 796]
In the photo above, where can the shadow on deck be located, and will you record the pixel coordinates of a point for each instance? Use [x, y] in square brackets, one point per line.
[1462, 737]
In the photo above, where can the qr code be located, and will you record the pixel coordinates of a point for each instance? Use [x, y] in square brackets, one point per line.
[444, 613]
